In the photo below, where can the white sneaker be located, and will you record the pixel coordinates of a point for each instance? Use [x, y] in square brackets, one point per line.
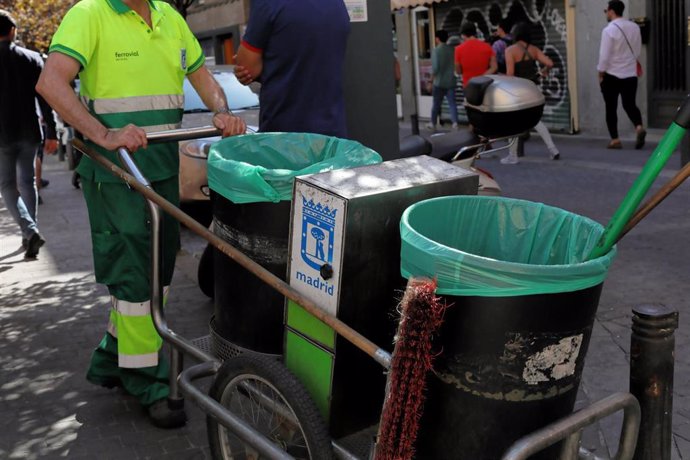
[510, 160]
[454, 126]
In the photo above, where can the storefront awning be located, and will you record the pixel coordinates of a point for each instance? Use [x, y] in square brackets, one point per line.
[397, 4]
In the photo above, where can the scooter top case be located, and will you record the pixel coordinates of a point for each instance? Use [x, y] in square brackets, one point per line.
[500, 106]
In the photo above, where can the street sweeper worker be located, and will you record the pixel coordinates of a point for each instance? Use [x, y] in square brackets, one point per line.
[131, 57]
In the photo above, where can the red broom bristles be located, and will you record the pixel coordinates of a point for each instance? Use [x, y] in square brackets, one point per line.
[421, 314]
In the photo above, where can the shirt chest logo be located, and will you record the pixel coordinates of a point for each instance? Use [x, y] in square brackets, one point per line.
[126, 55]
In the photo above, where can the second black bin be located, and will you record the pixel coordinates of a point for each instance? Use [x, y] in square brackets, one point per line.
[247, 312]
[522, 297]
[251, 179]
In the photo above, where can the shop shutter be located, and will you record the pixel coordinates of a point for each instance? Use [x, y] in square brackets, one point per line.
[549, 33]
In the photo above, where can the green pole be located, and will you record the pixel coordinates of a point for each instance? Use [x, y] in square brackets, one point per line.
[644, 181]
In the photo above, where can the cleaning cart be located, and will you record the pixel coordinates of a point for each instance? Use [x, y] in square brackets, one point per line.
[259, 409]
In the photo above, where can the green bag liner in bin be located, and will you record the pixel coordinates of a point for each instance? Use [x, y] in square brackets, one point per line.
[261, 167]
[497, 247]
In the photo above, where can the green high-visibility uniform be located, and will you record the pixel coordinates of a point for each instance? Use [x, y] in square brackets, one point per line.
[130, 73]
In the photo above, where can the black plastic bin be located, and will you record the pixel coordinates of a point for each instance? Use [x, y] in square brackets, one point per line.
[247, 312]
[523, 302]
[251, 179]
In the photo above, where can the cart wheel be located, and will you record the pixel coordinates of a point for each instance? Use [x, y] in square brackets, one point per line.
[263, 393]
[205, 272]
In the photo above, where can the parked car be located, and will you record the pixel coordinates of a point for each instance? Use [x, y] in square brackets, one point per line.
[242, 101]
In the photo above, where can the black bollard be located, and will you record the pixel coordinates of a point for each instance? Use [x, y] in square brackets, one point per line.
[651, 377]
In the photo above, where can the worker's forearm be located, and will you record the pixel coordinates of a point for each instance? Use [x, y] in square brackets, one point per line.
[250, 60]
[61, 97]
[208, 89]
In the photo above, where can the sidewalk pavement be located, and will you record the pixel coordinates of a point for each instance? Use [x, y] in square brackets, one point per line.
[52, 313]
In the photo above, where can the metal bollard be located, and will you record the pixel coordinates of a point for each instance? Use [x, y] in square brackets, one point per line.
[652, 345]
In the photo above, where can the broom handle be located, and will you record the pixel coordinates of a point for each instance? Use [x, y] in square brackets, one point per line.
[657, 198]
[644, 181]
[380, 355]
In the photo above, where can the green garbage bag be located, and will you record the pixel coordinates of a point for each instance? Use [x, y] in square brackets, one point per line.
[261, 167]
[496, 247]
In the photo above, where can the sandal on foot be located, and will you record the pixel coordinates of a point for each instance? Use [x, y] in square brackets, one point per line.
[614, 145]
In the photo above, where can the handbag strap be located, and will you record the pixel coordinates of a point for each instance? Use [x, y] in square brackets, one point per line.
[626, 39]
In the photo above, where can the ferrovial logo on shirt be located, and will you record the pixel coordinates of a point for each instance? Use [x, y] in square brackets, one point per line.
[124, 56]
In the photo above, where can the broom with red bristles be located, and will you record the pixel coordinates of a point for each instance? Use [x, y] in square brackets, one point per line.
[421, 314]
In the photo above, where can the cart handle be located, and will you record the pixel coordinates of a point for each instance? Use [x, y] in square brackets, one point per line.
[141, 185]
[570, 429]
[184, 134]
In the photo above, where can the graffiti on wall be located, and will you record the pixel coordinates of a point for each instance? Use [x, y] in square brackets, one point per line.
[548, 29]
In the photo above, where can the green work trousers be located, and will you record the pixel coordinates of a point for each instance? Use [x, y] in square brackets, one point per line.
[120, 234]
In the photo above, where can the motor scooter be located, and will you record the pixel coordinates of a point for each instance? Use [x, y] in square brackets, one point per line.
[460, 148]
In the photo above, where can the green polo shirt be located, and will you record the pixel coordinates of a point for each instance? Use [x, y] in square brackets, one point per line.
[131, 73]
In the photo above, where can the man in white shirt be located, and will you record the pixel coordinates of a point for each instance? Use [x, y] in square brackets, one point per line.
[618, 54]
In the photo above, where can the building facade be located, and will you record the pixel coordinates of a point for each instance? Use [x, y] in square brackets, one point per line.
[569, 32]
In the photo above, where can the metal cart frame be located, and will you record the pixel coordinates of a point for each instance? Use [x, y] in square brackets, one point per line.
[181, 381]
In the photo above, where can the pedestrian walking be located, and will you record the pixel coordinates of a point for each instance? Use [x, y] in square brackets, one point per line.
[502, 42]
[521, 61]
[301, 80]
[132, 57]
[443, 73]
[20, 133]
[473, 57]
[618, 72]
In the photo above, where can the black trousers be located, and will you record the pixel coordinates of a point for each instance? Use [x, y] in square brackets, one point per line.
[611, 88]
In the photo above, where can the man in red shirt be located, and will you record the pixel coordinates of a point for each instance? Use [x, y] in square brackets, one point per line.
[473, 57]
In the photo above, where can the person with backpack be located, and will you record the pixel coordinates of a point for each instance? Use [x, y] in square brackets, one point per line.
[521, 61]
[503, 41]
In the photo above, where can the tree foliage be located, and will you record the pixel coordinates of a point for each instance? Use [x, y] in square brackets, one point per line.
[37, 20]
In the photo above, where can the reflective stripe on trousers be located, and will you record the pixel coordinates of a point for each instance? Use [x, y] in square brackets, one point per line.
[131, 324]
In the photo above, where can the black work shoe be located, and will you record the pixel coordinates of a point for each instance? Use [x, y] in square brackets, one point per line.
[44, 183]
[106, 382]
[163, 416]
[34, 244]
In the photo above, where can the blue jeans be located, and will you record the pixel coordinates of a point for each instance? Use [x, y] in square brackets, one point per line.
[17, 184]
[438, 94]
